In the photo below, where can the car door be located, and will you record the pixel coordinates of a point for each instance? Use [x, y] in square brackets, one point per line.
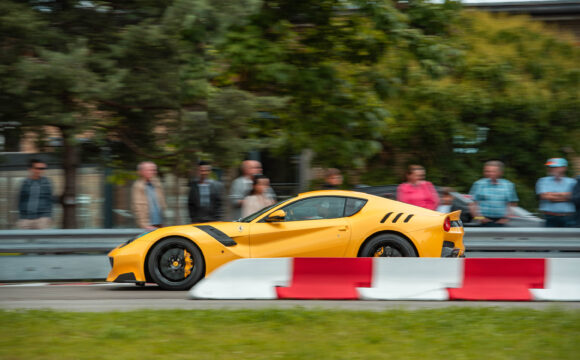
[313, 227]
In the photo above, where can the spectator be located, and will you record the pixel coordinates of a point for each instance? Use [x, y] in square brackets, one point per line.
[446, 201]
[35, 198]
[148, 200]
[450, 204]
[258, 198]
[205, 196]
[493, 197]
[417, 191]
[576, 199]
[332, 179]
[555, 192]
[242, 186]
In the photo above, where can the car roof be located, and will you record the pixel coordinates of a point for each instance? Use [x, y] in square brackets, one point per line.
[348, 193]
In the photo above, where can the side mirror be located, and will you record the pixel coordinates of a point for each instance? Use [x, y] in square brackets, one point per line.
[276, 216]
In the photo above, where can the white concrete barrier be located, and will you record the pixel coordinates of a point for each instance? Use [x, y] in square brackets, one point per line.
[245, 279]
[401, 279]
[562, 282]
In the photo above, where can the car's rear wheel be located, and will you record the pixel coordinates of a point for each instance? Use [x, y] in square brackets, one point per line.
[388, 245]
[175, 264]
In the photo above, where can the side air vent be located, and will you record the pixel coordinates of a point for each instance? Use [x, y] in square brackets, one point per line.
[397, 217]
[386, 217]
[218, 235]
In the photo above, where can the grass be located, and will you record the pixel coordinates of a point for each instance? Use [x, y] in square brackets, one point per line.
[457, 333]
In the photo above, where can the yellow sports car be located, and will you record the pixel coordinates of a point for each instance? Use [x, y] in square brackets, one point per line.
[326, 223]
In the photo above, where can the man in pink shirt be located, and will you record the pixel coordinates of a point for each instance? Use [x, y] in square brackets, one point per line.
[417, 191]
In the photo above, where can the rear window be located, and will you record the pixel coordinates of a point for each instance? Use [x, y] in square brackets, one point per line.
[353, 206]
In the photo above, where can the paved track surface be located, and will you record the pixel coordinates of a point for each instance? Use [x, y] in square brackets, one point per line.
[115, 297]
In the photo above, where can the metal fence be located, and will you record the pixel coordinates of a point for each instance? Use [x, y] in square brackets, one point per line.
[522, 242]
[47, 255]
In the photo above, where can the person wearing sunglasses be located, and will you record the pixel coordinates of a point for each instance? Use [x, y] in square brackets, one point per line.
[35, 199]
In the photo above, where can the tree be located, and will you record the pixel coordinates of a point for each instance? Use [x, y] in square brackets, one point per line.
[58, 74]
[512, 94]
[167, 107]
[52, 85]
[321, 56]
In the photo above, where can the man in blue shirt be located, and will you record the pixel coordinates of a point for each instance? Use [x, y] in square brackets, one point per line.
[35, 198]
[492, 196]
[555, 192]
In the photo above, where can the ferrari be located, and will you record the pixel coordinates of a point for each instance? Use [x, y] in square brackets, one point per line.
[325, 223]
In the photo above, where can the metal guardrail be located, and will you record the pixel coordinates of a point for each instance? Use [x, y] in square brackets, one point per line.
[522, 239]
[522, 242]
[39, 255]
[64, 241]
[103, 240]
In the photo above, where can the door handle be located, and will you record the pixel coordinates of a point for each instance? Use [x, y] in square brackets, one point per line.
[343, 228]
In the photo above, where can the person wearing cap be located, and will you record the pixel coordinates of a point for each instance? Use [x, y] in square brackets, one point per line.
[493, 197]
[555, 193]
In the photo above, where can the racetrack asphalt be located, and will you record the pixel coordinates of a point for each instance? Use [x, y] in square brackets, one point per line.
[121, 297]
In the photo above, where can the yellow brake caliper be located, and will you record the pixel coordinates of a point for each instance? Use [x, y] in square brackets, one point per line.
[188, 263]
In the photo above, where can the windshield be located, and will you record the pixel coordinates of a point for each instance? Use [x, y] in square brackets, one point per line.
[249, 218]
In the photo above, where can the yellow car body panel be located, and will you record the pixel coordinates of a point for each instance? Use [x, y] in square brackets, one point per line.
[338, 236]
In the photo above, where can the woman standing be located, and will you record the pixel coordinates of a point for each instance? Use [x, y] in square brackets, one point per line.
[258, 198]
[417, 191]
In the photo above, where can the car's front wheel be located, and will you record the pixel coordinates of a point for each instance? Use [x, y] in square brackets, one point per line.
[388, 245]
[175, 264]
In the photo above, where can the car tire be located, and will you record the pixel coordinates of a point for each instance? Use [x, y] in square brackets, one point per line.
[388, 245]
[175, 264]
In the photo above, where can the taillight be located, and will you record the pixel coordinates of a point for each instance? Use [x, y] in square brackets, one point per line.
[447, 224]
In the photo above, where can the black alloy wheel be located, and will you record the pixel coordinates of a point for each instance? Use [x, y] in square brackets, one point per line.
[388, 245]
[175, 264]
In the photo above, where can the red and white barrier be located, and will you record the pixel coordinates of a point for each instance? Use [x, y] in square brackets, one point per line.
[245, 279]
[562, 282]
[499, 279]
[398, 279]
[394, 279]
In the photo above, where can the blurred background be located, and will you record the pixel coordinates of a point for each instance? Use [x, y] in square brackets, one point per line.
[94, 87]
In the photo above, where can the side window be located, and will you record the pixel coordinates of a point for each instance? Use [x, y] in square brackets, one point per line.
[353, 206]
[322, 207]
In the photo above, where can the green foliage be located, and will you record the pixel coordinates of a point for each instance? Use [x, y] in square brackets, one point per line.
[507, 76]
[321, 56]
[365, 84]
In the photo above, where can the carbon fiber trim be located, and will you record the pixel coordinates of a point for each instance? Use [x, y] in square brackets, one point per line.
[218, 235]
[126, 277]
